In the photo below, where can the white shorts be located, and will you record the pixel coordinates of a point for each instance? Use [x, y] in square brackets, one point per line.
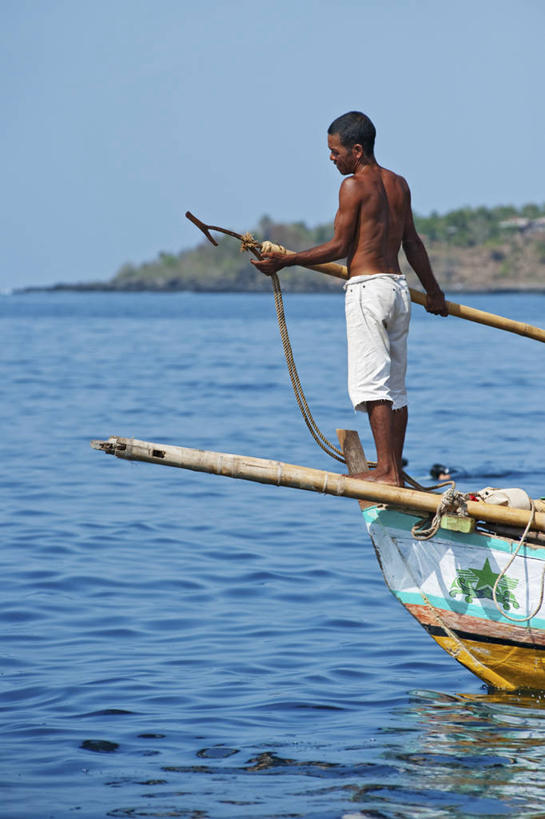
[378, 311]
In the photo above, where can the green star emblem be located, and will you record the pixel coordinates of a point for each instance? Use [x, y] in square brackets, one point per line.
[479, 584]
[485, 580]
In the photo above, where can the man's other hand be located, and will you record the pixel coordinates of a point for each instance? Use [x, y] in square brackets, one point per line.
[435, 303]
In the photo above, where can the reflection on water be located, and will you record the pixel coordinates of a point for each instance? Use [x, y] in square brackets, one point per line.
[464, 755]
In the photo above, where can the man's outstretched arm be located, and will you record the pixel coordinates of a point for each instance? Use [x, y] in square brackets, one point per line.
[337, 248]
[418, 258]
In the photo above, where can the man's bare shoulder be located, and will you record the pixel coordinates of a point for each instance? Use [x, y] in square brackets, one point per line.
[353, 189]
[350, 183]
[363, 184]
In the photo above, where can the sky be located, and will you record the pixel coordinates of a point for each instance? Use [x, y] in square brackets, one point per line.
[120, 115]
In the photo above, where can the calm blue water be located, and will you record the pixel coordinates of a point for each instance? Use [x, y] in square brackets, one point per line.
[184, 645]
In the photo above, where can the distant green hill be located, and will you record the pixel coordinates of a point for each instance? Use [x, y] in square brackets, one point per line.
[470, 249]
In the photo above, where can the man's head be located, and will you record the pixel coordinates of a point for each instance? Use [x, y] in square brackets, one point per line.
[355, 128]
[351, 138]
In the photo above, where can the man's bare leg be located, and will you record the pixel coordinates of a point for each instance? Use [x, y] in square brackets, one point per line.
[388, 428]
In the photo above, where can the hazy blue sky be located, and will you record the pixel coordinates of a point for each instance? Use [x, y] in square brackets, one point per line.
[119, 115]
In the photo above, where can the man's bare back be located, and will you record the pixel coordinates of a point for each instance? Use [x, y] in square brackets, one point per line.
[384, 205]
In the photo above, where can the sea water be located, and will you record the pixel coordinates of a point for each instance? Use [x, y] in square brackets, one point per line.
[177, 644]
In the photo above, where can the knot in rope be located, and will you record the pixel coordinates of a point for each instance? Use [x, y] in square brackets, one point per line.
[248, 242]
[452, 503]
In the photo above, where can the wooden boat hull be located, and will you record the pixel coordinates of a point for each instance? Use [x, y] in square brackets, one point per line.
[446, 584]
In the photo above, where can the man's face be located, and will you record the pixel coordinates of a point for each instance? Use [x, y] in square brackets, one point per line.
[342, 157]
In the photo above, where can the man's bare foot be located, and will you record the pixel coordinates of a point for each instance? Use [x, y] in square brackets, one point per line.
[390, 478]
[378, 477]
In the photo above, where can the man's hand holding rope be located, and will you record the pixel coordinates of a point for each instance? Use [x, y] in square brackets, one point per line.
[271, 262]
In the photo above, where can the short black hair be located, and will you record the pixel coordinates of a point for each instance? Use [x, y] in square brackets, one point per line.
[355, 128]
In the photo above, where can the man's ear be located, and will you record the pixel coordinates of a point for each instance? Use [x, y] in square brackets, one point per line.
[357, 151]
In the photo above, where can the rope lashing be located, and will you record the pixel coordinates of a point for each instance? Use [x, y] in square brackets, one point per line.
[452, 502]
[248, 242]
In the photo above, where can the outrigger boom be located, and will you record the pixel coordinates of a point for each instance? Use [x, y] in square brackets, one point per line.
[279, 473]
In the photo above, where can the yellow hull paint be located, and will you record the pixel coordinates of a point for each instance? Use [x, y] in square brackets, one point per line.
[499, 666]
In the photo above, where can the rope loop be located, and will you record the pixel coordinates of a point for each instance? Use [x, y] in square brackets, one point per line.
[504, 571]
[258, 248]
[452, 503]
[312, 426]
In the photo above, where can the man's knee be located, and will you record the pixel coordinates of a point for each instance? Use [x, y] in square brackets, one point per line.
[379, 402]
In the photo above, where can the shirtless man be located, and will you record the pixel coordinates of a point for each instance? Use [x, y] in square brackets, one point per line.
[373, 222]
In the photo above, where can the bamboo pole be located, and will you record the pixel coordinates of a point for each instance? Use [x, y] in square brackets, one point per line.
[267, 471]
[339, 271]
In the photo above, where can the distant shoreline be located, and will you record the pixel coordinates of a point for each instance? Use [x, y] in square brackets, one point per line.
[105, 288]
[482, 250]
